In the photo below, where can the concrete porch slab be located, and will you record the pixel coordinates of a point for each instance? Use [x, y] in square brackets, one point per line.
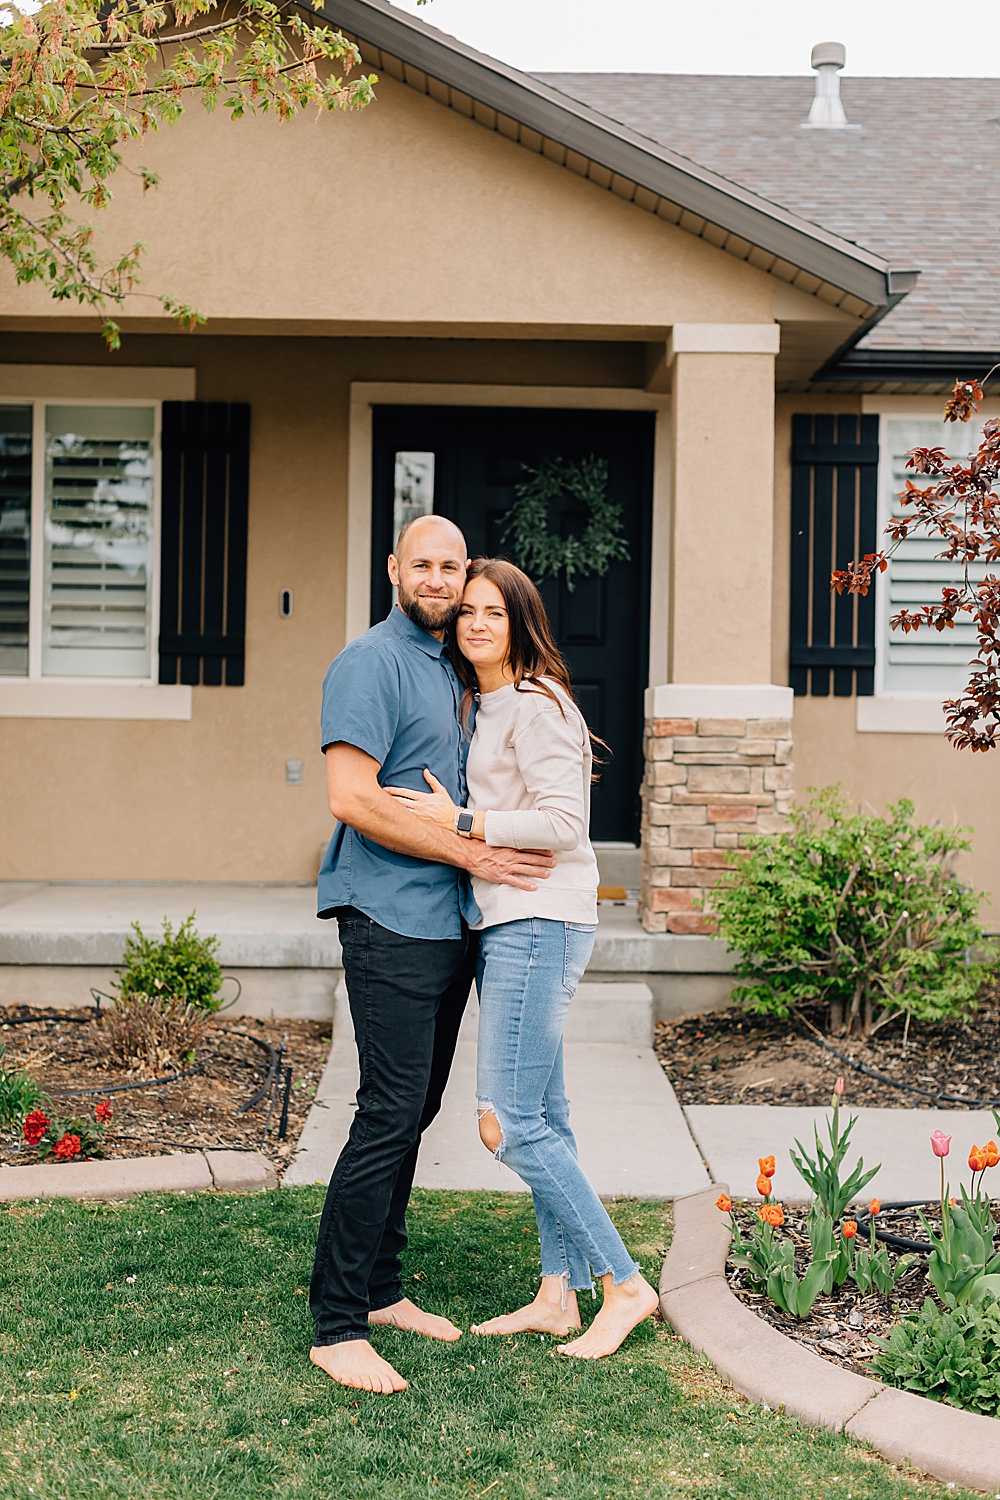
[732, 1137]
[631, 1132]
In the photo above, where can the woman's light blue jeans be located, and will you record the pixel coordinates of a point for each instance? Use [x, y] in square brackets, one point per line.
[527, 975]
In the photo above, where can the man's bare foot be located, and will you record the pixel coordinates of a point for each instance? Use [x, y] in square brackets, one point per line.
[404, 1314]
[545, 1315]
[356, 1364]
[624, 1306]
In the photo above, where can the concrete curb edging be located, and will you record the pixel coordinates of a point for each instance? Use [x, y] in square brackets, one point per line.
[125, 1176]
[957, 1447]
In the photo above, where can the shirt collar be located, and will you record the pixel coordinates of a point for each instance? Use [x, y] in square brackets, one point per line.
[409, 631]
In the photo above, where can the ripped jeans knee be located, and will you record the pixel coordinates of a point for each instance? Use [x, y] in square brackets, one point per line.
[490, 1130]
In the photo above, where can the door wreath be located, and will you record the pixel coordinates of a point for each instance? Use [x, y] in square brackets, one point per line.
[526, 525]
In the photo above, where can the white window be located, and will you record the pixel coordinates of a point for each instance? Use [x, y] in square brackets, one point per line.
[78, 545]
[924, 662]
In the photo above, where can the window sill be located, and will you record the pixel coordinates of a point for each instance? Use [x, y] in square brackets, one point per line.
[905, 714]
[21, 698]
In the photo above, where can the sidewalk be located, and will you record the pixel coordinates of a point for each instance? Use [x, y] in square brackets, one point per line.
[632, 1135]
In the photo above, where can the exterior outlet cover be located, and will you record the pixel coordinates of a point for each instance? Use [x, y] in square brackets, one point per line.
[293, 773]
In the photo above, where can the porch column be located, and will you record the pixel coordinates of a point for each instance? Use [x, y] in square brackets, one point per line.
[718, 734]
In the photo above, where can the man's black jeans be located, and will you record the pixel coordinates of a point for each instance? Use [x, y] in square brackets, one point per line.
[407, 998]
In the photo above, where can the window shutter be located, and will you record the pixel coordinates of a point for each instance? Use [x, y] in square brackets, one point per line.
[834, 519]
[205, 449]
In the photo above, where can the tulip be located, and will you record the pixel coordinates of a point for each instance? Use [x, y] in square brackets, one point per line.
[724, 1202]
[838, 1087]
[992, 1153]
[874, 1207]
[771, 1213]
[766, 1165]
[764, 1186]
[977, 1159]
[850, 1229]
[940, 1143]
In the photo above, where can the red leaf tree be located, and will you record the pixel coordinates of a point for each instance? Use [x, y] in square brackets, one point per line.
[961, 507]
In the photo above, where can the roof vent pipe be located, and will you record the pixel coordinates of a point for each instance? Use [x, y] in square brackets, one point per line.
[827, 110]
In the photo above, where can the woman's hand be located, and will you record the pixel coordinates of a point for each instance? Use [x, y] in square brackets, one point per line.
[435, 804]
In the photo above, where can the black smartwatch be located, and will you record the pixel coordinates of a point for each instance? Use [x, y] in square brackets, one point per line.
[463, 824]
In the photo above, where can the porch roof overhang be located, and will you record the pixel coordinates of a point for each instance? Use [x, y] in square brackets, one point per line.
[620, 160]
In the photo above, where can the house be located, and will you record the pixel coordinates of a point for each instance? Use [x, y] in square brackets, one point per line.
[750, 315]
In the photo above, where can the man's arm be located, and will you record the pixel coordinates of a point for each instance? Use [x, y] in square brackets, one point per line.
[357, 800]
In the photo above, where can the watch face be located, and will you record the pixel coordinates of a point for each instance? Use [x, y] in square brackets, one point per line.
[465, 822]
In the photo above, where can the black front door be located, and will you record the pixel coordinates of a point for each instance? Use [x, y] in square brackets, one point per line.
[465, 461]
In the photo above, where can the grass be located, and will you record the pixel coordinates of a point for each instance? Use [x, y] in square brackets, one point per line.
[158, 1349]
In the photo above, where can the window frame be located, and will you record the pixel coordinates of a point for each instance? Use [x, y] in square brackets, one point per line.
[898, 711]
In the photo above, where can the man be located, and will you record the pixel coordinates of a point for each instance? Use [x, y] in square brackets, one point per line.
[391, 708]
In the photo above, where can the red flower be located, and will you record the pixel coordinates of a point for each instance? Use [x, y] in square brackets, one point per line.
[874, 1207]
[103, 1111]
[35, 1126]
[850, 1229]
[67, 1146]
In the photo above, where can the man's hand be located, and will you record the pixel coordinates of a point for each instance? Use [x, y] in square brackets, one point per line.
[517, 867]
[357, 799]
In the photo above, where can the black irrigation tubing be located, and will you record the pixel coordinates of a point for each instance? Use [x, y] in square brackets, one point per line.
[274, 1059]
[274, 1092]
[896, 1083]
[141, 1083]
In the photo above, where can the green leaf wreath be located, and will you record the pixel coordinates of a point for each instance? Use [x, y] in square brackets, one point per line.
[526, 527]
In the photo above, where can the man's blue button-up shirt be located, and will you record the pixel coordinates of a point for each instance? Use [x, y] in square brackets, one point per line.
[394, 694]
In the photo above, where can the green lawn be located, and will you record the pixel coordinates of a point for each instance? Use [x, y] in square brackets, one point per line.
[192, 1379]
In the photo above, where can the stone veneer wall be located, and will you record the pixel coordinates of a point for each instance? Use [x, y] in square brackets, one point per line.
[709, 785]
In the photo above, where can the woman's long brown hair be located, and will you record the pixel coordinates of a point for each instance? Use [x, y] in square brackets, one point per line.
[534, 655]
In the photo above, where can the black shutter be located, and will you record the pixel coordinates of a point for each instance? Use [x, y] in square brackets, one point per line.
[834, 520]
[203, 549]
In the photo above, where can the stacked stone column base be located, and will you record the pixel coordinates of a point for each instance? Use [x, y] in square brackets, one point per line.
[710, 784]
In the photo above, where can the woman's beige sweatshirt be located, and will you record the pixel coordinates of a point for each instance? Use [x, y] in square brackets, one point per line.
[529, 768]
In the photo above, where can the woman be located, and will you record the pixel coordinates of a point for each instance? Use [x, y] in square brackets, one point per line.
[529, 774]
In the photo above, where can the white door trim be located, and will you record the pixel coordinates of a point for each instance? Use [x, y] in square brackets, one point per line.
[366, 394]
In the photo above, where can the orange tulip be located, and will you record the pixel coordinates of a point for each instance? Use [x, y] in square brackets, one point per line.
[766, 1165]
[992, 1153]
[874, 1207]
[850, 1229]
[770, 1213]
[977, 1158]
[724, 1203]
[764, 1186]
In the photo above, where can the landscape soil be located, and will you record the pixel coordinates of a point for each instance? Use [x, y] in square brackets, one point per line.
[842, 1327]
[733, 1057]
[64, 1053]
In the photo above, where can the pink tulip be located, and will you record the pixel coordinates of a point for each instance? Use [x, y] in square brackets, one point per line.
[838, 1087]
[941, 1143]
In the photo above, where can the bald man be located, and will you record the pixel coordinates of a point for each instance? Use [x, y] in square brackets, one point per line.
[397, 886]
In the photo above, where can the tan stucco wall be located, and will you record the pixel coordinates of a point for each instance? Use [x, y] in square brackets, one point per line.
[404, 215]
[206, 799]
[947, 786]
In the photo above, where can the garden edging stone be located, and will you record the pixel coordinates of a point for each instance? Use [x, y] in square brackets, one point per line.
[954, 1446]
[125, 1176]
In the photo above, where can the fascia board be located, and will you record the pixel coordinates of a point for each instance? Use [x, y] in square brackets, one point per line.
[614, 146]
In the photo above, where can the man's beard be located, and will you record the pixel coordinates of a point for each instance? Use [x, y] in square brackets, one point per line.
[414, 609]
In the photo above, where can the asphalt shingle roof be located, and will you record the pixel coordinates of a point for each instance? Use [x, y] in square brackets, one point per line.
[919, 182]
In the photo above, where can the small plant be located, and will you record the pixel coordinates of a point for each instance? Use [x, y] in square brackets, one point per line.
[152, 1033]
[862, 913]
[75, 1139]
[182, 965]
[19, 1095]
[962, 1266]
[822, 1172]
[949, 1354]
[769, 1262]
[870, 1269]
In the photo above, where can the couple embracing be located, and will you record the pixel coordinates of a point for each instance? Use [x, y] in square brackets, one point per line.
[454, 749]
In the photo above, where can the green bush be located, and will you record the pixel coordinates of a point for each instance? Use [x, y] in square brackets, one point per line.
[19, 1094]
[858, 912]
[948, 1354]
[180, 966]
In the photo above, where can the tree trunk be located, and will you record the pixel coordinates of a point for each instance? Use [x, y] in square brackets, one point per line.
[868, 1015]
[836, 1017]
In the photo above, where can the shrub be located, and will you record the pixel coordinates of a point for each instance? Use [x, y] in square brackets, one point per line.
[950, 1354]
[181, 965]
[152, 1033]
[19, 1094]
[856, 912]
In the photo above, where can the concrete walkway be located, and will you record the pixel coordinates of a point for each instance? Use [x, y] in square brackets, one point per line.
[732, 1137]
[631, 1132]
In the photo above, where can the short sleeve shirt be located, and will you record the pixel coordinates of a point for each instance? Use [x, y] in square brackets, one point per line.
[394, 694]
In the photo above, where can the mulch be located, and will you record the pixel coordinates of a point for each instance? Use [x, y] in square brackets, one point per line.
[842, 1327]
[64, 1052]
[733, 1057]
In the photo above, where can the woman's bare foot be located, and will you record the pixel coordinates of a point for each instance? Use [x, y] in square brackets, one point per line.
[624, 1306]
[405, 1314]
[356, 1364]
[545, 1315]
